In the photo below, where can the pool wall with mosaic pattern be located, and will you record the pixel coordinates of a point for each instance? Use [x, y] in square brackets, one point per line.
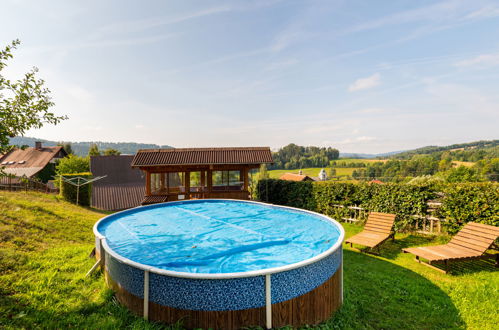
[299, 294]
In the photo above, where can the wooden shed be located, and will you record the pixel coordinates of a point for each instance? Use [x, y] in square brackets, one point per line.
[188, 173]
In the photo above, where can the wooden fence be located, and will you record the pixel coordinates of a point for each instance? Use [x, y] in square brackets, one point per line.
[25, 184]
[426, 224]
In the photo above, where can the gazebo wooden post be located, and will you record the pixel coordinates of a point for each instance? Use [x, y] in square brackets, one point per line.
[210, 180]
[167, 179]
[187, 179]
[148, 183]
[244, 173]
[203, 182]
[162, 182]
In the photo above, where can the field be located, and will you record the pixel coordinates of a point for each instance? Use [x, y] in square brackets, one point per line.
[311, 171]
[314, 171]
[45, 243]
[457, 163]
[361, 160]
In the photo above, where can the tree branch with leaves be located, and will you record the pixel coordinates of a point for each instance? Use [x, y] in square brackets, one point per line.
[25, 104]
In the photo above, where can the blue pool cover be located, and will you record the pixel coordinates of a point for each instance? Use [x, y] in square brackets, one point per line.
[217, 236]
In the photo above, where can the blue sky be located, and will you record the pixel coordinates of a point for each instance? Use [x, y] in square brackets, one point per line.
[361, 76]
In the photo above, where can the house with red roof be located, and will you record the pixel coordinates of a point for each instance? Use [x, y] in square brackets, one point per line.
[33, 162]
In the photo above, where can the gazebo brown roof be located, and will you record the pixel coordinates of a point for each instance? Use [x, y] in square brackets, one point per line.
[202, 156]
[216, 172]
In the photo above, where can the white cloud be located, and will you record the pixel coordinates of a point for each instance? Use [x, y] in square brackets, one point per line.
[483, 60]
[365, 83]
[140, 126]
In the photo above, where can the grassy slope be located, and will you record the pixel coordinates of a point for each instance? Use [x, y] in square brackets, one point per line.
[44, 247]
[314, 171]
[311, 171]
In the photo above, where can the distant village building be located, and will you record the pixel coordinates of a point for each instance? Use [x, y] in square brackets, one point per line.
[322, 175]
[295, 177]
[123, 186]
[33, 162]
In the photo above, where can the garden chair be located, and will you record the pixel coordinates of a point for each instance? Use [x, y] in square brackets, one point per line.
[472, 241]
[378, 228]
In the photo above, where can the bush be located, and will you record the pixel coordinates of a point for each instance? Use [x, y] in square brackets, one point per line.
[463, 202]
[401, 199]
[69, 191]
[73, 164]
[290, 193]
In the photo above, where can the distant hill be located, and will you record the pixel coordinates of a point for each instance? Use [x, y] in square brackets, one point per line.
[367, 156]
[471, 151]
[81, 148]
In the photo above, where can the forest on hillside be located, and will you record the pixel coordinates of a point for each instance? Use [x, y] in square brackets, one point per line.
[466, 152]
[83, 148]
[294, 156]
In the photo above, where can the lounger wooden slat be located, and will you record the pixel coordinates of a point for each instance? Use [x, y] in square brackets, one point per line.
[474, 237]
[377, 229]
[466, 246]
[485, 227]
[480, 231]
[381, 219]
[384, 229]
[472, 241]
[380, 224]
[479, 234]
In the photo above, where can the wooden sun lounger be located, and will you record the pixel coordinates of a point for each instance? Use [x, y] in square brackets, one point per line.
[378, 229]
[472, 241]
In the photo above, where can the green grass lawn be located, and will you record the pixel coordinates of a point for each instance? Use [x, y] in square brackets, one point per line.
[45, 243]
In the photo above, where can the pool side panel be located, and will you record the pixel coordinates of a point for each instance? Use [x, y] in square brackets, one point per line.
[296, 282]
[223, 294]
[128, 277]
[311, 308]
[208, 295]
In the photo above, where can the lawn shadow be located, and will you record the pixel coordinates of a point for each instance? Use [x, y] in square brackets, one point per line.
[382, 295]
[392, 249]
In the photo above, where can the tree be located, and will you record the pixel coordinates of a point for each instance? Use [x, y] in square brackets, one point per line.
[67, 147]
[73, 164]
[332, 172]
[94, 150]
[263, 174]
[111, 152]
[26, 104]
[463, 174]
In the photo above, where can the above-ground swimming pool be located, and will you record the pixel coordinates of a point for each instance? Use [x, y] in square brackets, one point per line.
[223, 263]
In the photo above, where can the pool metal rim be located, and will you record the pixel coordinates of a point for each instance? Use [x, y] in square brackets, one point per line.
[261, 272]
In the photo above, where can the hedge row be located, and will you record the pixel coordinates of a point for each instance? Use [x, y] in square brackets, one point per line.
[69, 191]
[462, 202]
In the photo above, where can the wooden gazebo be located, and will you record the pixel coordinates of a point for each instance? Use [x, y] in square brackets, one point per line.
[188, 173]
